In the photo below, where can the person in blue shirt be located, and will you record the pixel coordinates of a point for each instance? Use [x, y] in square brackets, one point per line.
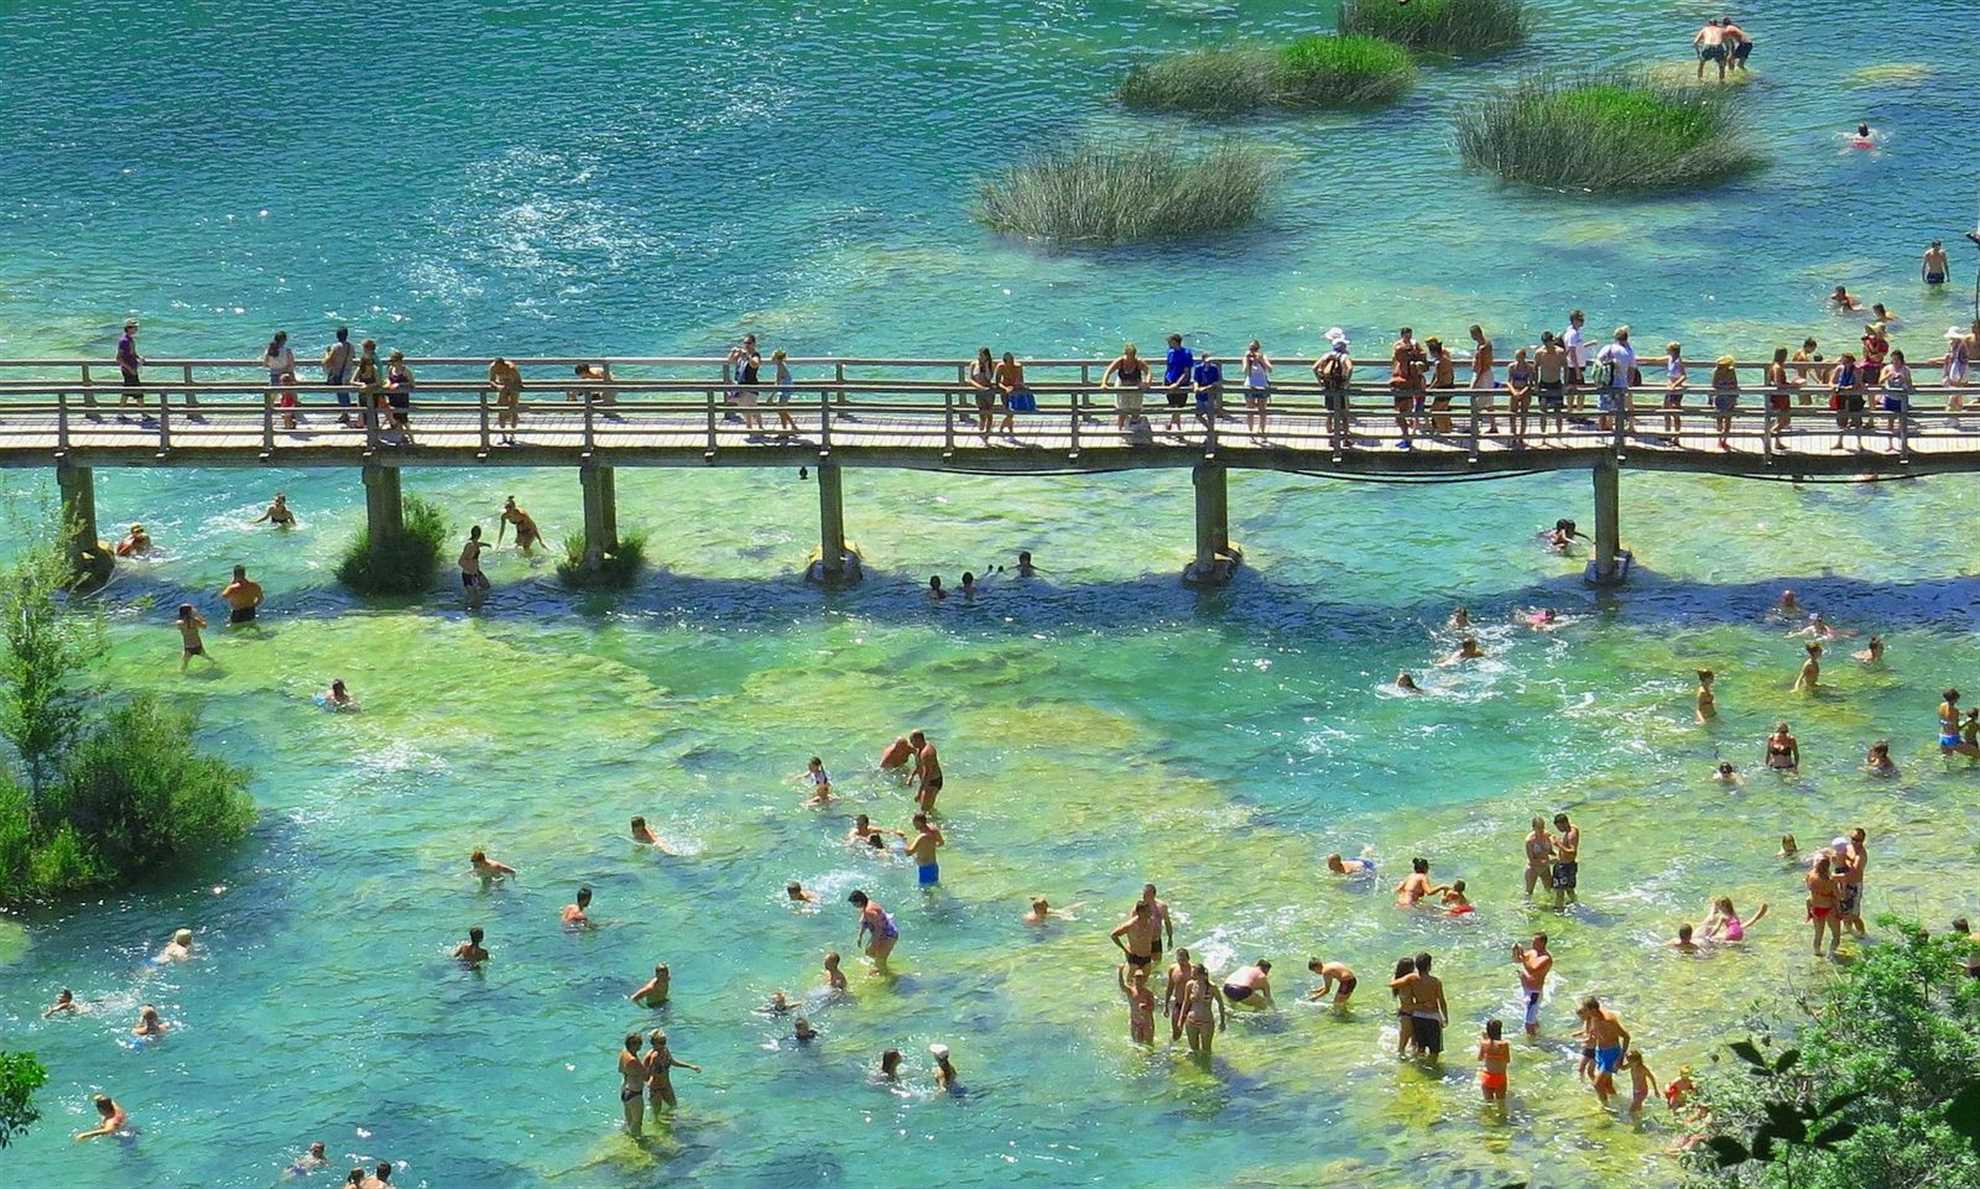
[1208, 383]
[1176, 380]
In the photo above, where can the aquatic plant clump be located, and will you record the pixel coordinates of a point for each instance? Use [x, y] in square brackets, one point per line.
[407, 565]
[615, 569]
[1098, 192]
[1447, 26]
[1311, 72]
[1606, 134]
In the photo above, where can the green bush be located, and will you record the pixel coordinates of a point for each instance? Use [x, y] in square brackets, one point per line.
[145, 797]
[1111, 192]
[1602, 133]
[1311, 72]
[46, 646]
[20, 1076]
[404, 566]
[1887, 1062]
[617, 568]
[1447, 26]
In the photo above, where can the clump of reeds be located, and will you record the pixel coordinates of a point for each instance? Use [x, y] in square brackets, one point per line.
[1311, 72]
[1098, 192]
[1447, 26]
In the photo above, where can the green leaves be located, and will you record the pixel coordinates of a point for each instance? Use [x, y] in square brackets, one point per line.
[20, 1076]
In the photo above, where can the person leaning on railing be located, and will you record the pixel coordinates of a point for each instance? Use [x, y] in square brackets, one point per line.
[371, 389]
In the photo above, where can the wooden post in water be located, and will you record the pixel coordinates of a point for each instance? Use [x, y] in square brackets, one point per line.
[92, 562]
[601, 514]
[836, 564]
[384, 512]
[1605, 570]
[1215, 559]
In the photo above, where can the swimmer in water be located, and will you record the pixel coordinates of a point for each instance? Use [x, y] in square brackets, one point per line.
[1783, 751]
[1460, 619]
[1683, 943]
[834, 977]
[1042, 911]
[876, 925]
[1335, 977]
[1809, 679]
[309, 1161]
[641, 834]
[1722, 924]
[1251, 984]
[802, 1031]
[1467, 650]
[815, 775]
[796, 892]
[149, 1026]
[65, 1004]
[897, 754]
[528, 536]
[945, 1072]
[1455, 902]
[278, 513]
[114, 1118]
[1789, 850]
[660, 1063]
[1863, 138]
[1787, 604]
[471, 951]
[1873, 653]
[1842, 299]
[1494, 1055]
[573, 914]
[1949, 722]
[1416, 885]
[653, 992]
[136, 543]
[1407, 684]
[1544, 619]
[1725, 773]
[778, 1005]
[339, 698]
[1340, 866]
[488, 869]
[189, 623]
[1878, 761]
[1707, 707]
[180, 949]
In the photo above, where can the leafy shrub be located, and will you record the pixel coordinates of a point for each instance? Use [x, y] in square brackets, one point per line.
[138, 788]
[1448, 26]
[404, 565]
[1099, 192]
[1311, 72]
[20, 1076]
[616, 569]
[1602, 133]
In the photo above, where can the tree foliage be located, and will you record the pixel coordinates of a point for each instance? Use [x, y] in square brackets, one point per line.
[20, 1076]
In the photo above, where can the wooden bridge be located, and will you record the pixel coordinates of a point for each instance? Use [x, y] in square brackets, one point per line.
[75, 415]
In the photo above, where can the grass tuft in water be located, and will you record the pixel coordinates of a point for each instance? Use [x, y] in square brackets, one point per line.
[1099, 192]
[402, 567]
[1447, 26]
[1606, 134]
[1313, 72]
[617, 569]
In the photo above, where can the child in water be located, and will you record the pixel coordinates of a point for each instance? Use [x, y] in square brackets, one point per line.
[1494, 1054]
[1642, 1083]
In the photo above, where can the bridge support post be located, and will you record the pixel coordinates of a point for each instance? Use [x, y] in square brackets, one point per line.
[1610, 565]
[836, 563]
[601, 514]
[384, 511]
[91, 561]
[1216, 558]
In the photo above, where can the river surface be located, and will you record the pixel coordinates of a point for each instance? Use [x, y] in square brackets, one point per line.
[619, 178]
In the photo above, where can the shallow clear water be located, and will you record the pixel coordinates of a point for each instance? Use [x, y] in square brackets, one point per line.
[643, 178]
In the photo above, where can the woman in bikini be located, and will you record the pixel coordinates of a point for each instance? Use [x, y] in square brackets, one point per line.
[1783, 752]
[1416, 885]
[1403, 986]
[1822, 905]
[1811, 670]
[659, 1064]
[1443, 376]
[1708, 705]
[1128, 375]
[1539, 852]
[983, 385]
[632, 1079]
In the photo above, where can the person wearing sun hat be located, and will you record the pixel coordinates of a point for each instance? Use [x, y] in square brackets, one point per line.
[1333, 371]
[1725, 396]
[1875, 347]
[945, 1073]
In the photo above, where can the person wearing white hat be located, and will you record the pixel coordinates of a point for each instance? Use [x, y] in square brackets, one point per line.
[945, 1073]
[1333, 371]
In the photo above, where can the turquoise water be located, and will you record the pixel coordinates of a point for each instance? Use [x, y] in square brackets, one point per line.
[660, 178]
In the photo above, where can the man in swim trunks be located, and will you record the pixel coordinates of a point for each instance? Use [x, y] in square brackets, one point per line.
[1340, 866]
[1204, 1013]
[1710, 43]
[1253, 982]
[471, 951]
[1428, 1011]
[1611, 1040]
[487, 869]
[1550, 366]
[573, 914]
[1337, 977]
[1406, 364]
[1935, 266]
[927, 771]
[875, 923]
[653, 992]
[1567, 861]
[1174, 986]
[1535, 965]
[242, 597]
[1739, 47]
[922, 851]
[528, 535]
[896, 755]
[1849, 884]
[506, 378]
[472, 579]
[1158, 911]
[1138, 937]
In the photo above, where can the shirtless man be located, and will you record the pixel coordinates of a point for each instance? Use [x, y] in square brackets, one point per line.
[65, 1004]
[1141, 1003]
[114, 1117]
[471, 951]
[643, 834]
[1534, 966]
[926, 772]
[1406, 362]
[1340, 866]
[1174, 986]
[148, 1025]
[1610, 1039]
[277, 513]
[472, 579]
[1431, 1013]
[528, 536]
[1710, 43]
[653, 992]
[573, 914]
[1337, 977]
[1567, 861]
[1683, 943]
[1416, 885]
[506, 378]
[1539, 852]
[1042, 911]
[922, 850]
[1249, 983]
[1739, 47]
[875, 923]
[1158, 911]
[1138, 936]
[897, 754]
[660, 1062]
[1851, 892]
[242, 597]
[178, 950]
[1550, 366]
[797, 893]
[488, 869]
[1203, 1013]
[1935, 268]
